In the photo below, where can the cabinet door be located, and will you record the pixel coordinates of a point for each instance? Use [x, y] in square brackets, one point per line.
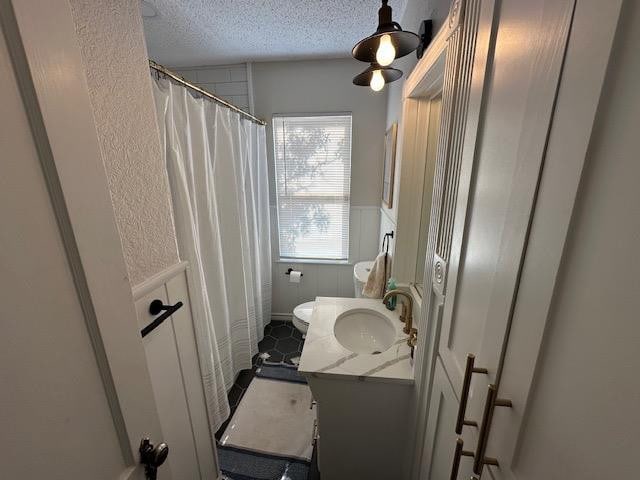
[487, 195]
[467, 55]
[440, 441]
[569, 364]
[491, 225]
[513, 141]
[467, 50]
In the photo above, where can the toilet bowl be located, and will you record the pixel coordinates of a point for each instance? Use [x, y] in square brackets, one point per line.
[360, 275]
[302, 313]
[302, 316]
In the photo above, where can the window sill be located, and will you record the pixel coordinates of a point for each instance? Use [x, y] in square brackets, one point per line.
[294, 261]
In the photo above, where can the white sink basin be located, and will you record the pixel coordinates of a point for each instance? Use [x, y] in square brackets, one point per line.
[363, 330]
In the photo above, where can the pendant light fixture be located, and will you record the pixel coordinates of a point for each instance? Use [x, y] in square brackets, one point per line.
[377, 76]
[380, 50]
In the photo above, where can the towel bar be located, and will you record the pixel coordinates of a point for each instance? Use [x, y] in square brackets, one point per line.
[155, 308]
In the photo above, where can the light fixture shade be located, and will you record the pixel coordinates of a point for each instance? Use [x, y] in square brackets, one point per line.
[403, 42]
[389, 74]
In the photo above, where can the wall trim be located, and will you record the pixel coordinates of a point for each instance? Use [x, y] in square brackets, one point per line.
[158, 280]
[385, 212]
[286, 317]
[351, 207]
[365, 207]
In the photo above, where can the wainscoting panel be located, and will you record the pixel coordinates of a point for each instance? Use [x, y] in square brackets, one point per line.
[175, 375]
[324, 279]
[318, 280]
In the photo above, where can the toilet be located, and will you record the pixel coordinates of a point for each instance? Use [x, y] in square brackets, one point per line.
[302, 313]
[360, 275]
[302, 316]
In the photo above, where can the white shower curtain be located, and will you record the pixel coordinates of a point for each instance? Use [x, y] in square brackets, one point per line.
[217, 167]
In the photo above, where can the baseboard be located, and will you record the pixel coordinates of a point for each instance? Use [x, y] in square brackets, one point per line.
[286, 317]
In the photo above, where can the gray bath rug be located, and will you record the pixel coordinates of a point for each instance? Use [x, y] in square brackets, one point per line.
[286, 374]
[273, 418]
[238, 464]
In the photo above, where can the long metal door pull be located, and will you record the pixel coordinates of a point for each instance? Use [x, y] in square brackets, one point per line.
[491, 403]
[469, 370]
[457, 455]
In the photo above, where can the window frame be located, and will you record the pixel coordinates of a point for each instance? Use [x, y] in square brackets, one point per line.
[311, 260]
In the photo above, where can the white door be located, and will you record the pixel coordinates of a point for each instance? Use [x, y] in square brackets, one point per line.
[76, 397]
[467, 47]
[487, 195]
[569, 365]
[446, 448]
[516, 126]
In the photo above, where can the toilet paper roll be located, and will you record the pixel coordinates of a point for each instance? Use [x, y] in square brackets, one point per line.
[295, 276]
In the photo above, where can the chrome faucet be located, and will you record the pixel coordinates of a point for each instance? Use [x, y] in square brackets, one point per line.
[406, 315]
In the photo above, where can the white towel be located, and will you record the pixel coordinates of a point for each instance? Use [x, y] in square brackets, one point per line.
[377, 281]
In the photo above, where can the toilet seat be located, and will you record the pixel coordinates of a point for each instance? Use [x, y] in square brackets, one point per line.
[302, 316]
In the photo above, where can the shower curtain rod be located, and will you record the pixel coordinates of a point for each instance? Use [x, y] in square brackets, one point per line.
[164, 70]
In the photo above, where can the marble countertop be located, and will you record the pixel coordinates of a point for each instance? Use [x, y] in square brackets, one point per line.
[323, 355]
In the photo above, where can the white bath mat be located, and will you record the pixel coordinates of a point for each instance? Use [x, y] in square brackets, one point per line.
[273, 417]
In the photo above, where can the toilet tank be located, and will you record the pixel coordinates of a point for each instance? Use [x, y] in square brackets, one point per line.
[360, 275]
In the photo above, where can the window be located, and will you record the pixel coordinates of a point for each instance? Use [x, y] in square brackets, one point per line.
[313, 177]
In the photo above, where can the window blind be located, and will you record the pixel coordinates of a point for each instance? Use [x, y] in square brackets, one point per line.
[313, 181]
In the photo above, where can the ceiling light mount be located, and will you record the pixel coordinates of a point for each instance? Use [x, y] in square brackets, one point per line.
[425, 34]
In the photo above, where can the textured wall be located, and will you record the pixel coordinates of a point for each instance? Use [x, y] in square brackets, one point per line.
[111, 39]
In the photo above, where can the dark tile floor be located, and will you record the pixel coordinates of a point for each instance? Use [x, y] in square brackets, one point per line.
[282, 343]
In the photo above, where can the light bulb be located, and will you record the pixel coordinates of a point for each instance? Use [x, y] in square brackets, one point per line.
[377, 81]
[386, 53]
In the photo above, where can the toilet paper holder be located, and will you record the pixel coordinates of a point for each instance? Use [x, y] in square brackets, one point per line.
[288, 272]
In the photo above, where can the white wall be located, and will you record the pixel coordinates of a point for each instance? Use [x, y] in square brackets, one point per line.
[113, 49]
[415, 12]
[230, 82]
[326, 86]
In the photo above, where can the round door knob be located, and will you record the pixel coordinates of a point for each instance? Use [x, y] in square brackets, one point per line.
[152, 457]
[160, 454]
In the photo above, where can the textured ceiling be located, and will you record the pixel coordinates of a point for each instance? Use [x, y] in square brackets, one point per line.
[209, 32]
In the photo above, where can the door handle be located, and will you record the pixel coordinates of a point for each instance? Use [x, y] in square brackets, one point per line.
[492, 401]
[152, 457]
[464, 395]
[457, 455]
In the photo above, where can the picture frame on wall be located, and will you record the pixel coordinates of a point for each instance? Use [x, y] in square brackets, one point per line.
[389, 165]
